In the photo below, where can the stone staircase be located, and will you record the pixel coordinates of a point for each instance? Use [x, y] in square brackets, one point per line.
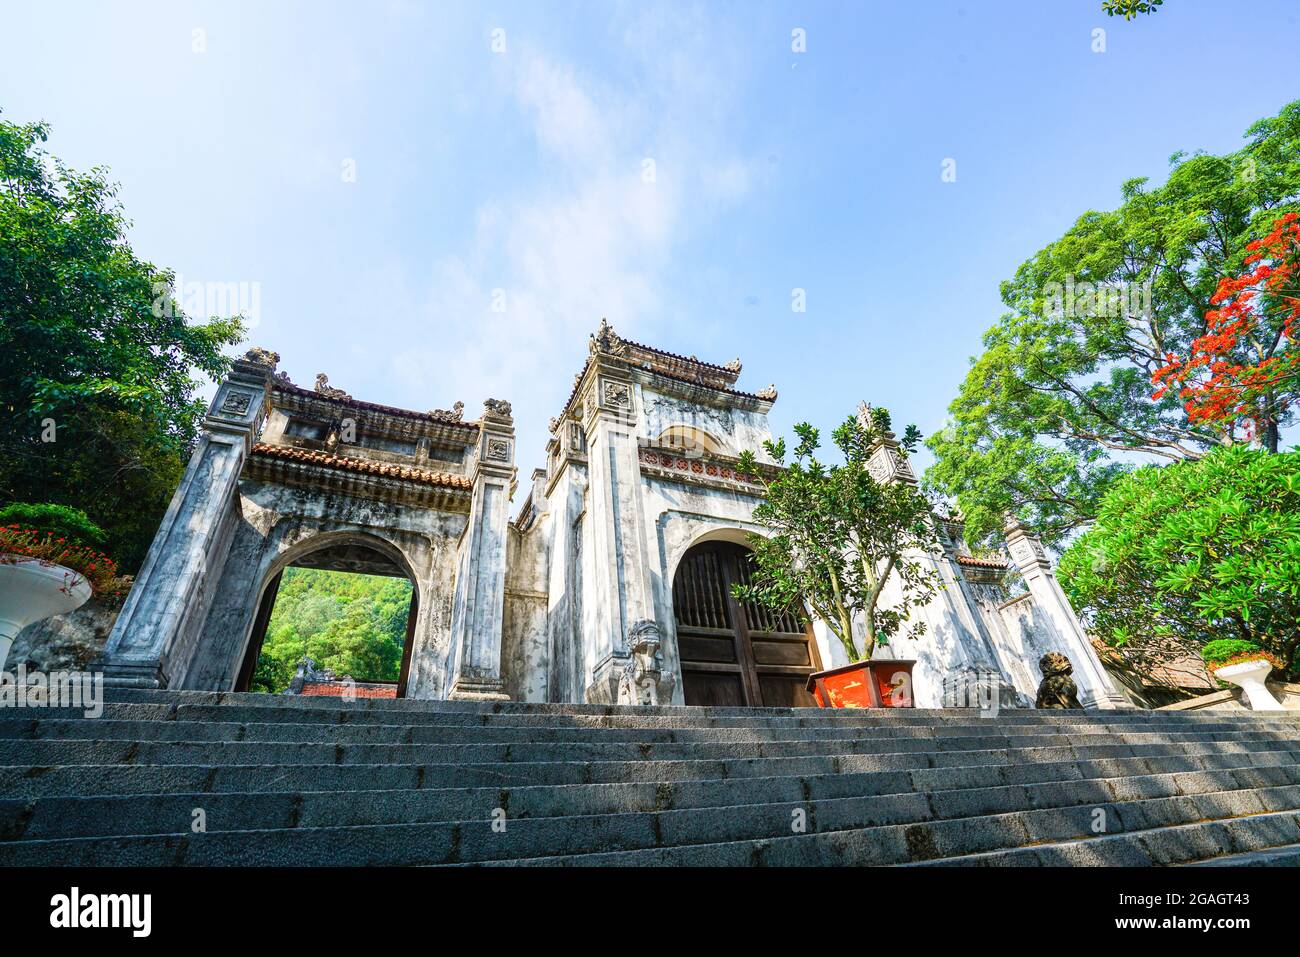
[316, 781]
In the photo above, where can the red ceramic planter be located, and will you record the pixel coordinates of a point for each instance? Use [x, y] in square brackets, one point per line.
[864, 684]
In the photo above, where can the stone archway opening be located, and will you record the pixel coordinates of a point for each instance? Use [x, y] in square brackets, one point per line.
[348, 606]
[734, 653]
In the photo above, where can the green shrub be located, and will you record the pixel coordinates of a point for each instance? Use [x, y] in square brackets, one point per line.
[1222, 649]
[1181, 555]
[58, 520]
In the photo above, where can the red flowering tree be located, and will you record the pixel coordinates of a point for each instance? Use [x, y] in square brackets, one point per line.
[1243, 374]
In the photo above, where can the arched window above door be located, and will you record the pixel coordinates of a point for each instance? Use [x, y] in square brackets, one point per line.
[687, 438]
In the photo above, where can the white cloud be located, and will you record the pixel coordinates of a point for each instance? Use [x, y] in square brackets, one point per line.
[596, 240]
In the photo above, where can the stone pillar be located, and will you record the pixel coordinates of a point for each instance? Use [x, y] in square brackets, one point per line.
[153, 639]
[622, 591]
[479, 609]
[1095, 689]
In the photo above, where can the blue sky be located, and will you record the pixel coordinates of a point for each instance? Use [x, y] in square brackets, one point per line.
[517, 177]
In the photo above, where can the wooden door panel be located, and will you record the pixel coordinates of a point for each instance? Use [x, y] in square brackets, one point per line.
[777, 652]
[706, 648]
[713, 688]
[735, 653]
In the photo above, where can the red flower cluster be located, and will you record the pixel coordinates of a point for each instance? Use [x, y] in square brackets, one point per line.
[1249, 349]
[96, 567]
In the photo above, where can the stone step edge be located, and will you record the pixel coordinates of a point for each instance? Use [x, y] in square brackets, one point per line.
[401, 735]
[30, 770]
[196, 797]
[590, 859]
[1280, 855]
[50, 843]
[1216, 739]
[226, 698]
[981, 857]
[866, 732]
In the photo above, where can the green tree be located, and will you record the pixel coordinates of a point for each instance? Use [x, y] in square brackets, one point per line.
[97, 362]
[838, 535]
[1129, 9]
[1184, 554]
[349, 623]
[1060, 403]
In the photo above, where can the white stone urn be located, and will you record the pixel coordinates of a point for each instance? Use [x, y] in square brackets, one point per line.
[32, 589]
[1249, 676]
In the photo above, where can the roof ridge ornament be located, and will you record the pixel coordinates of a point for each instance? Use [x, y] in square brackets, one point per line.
[327, 390]
[733, 366]
[443, 415]
[768, 394]
[262, 357]
[606, 341]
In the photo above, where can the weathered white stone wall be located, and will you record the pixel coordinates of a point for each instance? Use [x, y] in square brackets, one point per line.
[525, 641]
[1020, 634]
[736, 430]
[560, 534]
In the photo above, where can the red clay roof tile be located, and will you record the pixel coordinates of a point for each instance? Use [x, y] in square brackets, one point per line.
[328, 460]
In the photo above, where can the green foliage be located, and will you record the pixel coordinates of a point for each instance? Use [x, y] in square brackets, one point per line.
[1221, 649]
[352, 624]
[837, 535]
[97, 362]
[1059, 405]
[1129, 9]
[59, 520]
[1190, 553]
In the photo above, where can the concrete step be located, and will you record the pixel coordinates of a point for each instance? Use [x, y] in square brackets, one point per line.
[881, 833]
[281, 750]
[232, 698]
[30, 782]
[1288, 855]
[317, 781]
[1161, 844]
[296, 708]
[62, 817]
[109, 729]
[889, 752]
[1243, 839]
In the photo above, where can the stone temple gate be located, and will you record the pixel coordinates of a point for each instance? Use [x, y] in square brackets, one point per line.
[611, 583]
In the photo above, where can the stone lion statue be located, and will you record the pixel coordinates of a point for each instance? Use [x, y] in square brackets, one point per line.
[1058, 689]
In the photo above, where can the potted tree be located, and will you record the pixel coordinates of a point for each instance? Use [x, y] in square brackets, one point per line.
[1246, 665]
[838, 533]
[49, 565]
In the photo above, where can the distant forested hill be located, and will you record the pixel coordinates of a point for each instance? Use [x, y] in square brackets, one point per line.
[352, 624]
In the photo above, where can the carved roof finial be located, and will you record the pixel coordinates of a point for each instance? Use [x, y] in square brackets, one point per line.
[324, 388]
[497, 407]
[769, 393]
[733, 366]
[443, 415]
[262, 357]
[605, 340]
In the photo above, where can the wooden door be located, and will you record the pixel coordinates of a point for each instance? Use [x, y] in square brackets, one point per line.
[733, 653]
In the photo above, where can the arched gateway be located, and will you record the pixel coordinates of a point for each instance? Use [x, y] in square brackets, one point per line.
[356, 554]
[731, 652]
[611, 585]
